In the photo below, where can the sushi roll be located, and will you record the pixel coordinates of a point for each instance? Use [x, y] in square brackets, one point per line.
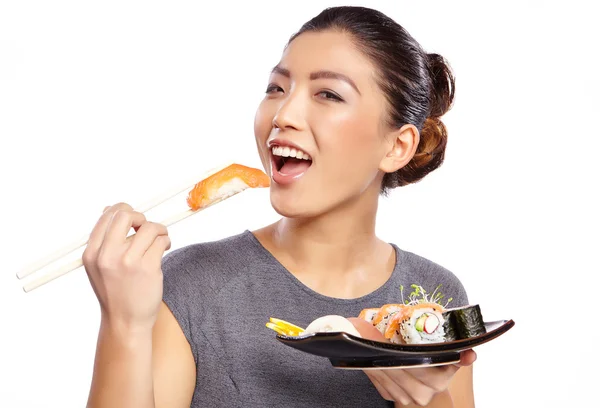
[225, 183]
[368, 314]
[417, 324]
[385, 314]
[450, 333]
[467, 321]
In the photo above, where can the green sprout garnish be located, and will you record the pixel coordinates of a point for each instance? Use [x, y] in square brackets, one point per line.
[419, 295]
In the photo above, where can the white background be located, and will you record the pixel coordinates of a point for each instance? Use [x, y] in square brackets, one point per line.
[113, 101]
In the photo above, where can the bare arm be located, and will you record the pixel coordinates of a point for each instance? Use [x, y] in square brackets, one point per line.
[153, 369]
[174, 368]
[122, 369]
[461, 388]
[143, 359]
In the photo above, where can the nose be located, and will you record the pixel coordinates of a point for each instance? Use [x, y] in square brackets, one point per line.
[290, 114]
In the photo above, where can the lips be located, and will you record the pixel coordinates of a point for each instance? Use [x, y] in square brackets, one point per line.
[287, 170]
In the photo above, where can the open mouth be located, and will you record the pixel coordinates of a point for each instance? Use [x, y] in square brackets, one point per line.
[290, 161]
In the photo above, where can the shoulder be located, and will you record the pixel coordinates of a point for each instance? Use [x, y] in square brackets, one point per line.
[225, 256]
[194, 275]
[200, 271]
[430, 275]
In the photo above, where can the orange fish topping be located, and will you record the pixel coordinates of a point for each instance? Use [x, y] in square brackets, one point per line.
[209, 189]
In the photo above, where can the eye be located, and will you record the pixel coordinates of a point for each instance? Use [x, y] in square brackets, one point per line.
[332, 96]
[273, 88]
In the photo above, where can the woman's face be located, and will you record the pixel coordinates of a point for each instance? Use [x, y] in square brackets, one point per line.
[323, 106]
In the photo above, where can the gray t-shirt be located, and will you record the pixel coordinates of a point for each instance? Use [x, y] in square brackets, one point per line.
[222, 293]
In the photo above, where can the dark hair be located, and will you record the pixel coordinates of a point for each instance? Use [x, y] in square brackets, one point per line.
[419, 86]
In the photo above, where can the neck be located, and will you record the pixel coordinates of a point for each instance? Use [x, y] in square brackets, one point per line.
[337, 253]
[334, 239]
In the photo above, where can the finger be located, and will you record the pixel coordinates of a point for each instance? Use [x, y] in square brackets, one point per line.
[467, 358]
[419, 392]
[98, 233]
[397, 393]
[118, 207]
[121, 223]
[156, 251]
[382, 391]
[144, 237]
[436, 378]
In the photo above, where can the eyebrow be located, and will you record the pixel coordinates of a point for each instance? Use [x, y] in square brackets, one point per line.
[319, 75]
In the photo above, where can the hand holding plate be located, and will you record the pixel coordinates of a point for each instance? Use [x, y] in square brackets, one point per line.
[410, 385]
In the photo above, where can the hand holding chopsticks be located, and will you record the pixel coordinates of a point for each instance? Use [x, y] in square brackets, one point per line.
[125, 272]
[212, 188]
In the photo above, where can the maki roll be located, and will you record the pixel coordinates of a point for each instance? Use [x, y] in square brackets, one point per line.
[418, 324]
[464, 322]
[384, 316]
[368, 314]
[450, 333]
[423, 319]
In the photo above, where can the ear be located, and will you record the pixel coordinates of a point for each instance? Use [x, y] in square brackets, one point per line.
[402, 144]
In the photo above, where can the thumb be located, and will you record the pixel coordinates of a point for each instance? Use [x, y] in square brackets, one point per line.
[467, 358]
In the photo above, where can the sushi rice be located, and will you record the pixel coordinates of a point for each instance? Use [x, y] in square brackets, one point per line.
[385, 315]
[417, 324]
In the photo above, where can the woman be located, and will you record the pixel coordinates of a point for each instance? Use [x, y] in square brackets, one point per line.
[358, 101]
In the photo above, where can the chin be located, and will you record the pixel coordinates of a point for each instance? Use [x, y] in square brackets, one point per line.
[293, 204]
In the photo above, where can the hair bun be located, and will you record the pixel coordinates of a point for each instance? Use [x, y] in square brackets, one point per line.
[442, 81]
[433, 143]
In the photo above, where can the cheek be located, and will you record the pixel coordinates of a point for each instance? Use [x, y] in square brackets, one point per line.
[352, 136]
[262, 129]
[262, 121]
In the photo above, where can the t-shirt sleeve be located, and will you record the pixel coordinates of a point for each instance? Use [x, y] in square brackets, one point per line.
[448, 284]
[457, 291]
[179, 292]
[434, 277]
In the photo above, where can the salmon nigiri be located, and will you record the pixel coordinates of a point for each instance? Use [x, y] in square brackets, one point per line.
[225, 183]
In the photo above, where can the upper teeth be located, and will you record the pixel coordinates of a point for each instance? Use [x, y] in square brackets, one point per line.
[289, 152]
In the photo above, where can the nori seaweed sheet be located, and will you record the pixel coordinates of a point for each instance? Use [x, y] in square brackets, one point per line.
[449, 327]
[469, 322]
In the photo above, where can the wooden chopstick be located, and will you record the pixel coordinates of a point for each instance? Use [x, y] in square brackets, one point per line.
[71, 266]
[63, 270]
[67, 249]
